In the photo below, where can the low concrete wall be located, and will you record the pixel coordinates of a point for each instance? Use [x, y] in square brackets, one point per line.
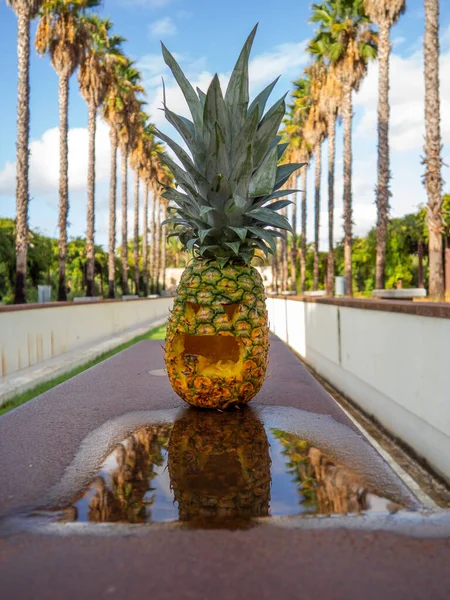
[29, 335]
[392, 359]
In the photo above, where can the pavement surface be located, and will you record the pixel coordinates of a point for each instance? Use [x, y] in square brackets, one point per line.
[315, 558]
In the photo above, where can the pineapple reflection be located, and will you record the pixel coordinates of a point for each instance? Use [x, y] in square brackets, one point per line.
[219, 465]
[324, 486]
[220, 471]
[126, 494]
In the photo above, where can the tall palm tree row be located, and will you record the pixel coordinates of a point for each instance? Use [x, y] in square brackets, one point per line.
[384, 13]
[75, 37]
[348, 43]
[26, 10]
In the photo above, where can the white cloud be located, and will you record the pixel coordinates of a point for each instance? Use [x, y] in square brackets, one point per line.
[44, 162]
[397, 41]
[407, 128]
[285, 59]
[149, 3]
[163, 27]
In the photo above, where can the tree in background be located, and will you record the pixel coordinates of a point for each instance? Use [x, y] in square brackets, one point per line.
[348, 44]
[315, 131]
[94, 77]
[294, 132]
[433, 145]
[62, 33]
[384, 13]
[25, 10]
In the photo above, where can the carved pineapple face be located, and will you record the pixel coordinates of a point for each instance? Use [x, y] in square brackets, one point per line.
[217, 337]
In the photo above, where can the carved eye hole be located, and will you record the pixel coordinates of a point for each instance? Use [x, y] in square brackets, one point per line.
[194, 307]
[230, 309]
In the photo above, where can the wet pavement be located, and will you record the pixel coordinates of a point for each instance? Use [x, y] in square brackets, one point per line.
[106, 492]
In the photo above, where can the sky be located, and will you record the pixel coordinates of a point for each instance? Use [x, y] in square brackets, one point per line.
[206, 37]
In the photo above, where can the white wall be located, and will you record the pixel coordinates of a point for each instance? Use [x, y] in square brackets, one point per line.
[395, 366]
[31, 336]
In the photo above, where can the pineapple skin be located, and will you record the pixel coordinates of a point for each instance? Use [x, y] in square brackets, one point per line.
[199, 310]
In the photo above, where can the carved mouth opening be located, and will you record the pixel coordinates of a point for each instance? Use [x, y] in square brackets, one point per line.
[209, 354]
[212, 347]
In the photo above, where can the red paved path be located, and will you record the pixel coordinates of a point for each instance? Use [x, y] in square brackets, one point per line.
[263, 562]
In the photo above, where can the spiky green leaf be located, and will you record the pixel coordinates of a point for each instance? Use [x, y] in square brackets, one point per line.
[284, 172]
[263, 180]
[240, 231]
[237, 95]
[265, 235]
[267, 130]
[264, 215]
[261, 99]
[188, 91]
[234, 246]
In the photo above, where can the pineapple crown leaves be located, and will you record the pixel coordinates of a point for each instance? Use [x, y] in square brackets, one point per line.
[229, 182]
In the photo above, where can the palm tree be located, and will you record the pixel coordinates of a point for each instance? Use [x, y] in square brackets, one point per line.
[157, 174]
[348, 44]
[315, 130]
[111, 113]
[166, 181]
[330, 102]
[122, 110]
[384, 13]
[433, 144]
[148, 142]
[94, 77]
[25, 10]
[294, 131]
[138, 160]
[63, 33]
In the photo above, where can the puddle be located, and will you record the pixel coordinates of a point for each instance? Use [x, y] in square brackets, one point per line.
[211, 468]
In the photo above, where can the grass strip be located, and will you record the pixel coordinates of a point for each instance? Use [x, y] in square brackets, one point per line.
[155, 334]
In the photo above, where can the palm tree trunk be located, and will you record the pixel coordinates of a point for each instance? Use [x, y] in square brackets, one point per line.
[152, 238]
[164, 246]
[63, 182]
[112, 214]
[432, 160]
[284, 258]
[276, 268]
[331, 161]
[420, 264]
[124, 151]
[22, 165]
[447, 267]
[318, 168]
[90, 249]
[294, 242]
[384, 175]
[347, 111]
[158, 244]
[145, 242]
[303, 241]
[136, 231]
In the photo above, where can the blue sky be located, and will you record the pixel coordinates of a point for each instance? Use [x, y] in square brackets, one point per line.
[206, 36]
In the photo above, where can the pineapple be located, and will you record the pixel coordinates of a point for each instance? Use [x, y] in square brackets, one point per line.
[226, 202]
[219, 466]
